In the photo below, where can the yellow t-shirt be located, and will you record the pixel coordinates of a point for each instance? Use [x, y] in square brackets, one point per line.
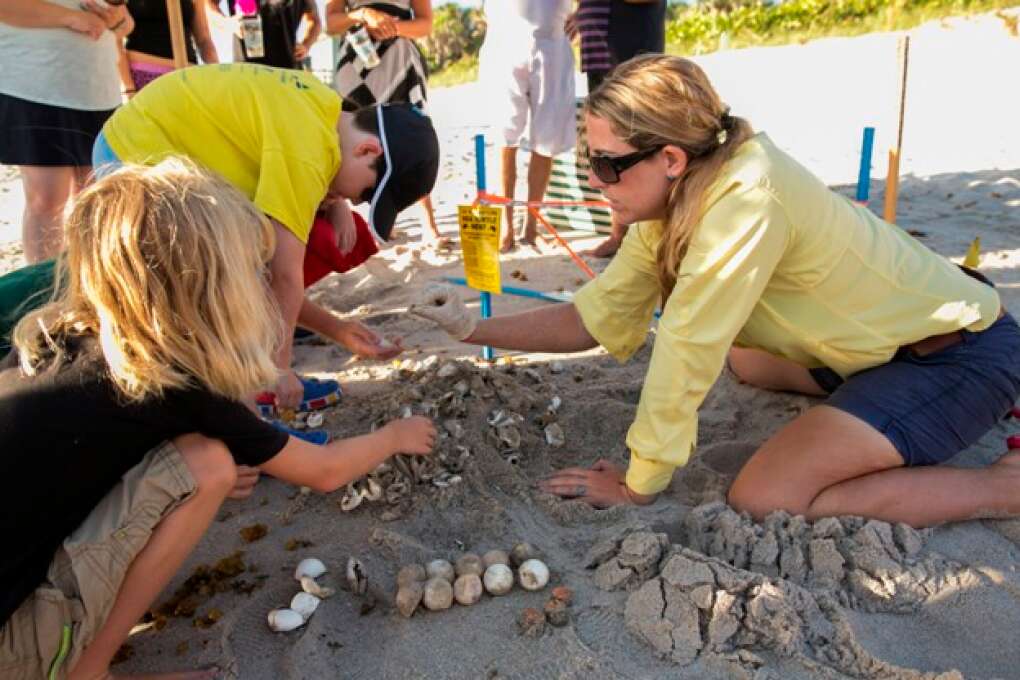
[270, 132]
[779, 263]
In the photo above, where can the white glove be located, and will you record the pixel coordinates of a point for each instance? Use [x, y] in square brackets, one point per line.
[441, 304]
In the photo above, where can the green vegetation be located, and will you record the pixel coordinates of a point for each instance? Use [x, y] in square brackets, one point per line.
[464, 70]
[457, 34]
[706, 25]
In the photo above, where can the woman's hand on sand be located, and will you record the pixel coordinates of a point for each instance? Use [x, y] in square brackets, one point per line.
[602, 485]
[380, 25]
[415, 435]
[367, 344]
[247, 478]
[441, 304]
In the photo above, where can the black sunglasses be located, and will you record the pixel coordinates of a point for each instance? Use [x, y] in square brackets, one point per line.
[609, 168]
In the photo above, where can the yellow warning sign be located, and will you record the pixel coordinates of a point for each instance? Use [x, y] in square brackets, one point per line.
[479, 241]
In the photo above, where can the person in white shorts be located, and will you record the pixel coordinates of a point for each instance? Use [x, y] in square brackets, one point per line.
[526, 62]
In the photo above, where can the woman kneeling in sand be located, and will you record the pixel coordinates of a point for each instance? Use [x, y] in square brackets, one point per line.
[744, 248]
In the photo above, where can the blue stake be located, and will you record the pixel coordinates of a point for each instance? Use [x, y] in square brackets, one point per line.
[519, 292]
[486, 297]
[864, 175]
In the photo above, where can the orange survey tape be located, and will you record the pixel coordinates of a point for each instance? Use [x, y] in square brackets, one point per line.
[577, 260]
[486, 198]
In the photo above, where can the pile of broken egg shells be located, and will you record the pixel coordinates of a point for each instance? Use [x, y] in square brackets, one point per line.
[444, 391]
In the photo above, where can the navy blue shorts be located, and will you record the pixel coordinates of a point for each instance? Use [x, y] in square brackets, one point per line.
[932, 407]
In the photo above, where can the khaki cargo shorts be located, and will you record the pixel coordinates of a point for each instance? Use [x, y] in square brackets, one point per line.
[51, 628]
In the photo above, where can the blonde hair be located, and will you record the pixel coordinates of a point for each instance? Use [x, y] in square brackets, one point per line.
[655, 100]
[166, 266]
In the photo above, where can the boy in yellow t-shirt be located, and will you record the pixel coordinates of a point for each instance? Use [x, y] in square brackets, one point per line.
[279, 136]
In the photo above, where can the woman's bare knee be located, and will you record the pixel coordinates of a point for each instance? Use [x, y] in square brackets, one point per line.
[209, 461]
[769, 372]
[758, 504]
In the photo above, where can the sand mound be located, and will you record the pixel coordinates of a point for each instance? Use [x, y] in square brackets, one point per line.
[869, 565]
[687, 604]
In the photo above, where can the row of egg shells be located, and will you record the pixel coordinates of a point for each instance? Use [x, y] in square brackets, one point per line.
[440, 583]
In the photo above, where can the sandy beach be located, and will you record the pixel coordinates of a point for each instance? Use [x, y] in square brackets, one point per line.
[682, 588]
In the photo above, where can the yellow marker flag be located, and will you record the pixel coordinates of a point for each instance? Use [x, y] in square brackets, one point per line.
[479, 241]
[973, 257]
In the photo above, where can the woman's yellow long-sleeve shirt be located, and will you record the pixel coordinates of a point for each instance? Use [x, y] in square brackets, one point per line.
[781, 263]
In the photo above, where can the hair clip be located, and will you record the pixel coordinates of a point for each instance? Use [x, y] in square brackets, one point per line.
[726, 123]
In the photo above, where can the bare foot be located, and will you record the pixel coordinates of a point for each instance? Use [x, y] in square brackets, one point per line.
[1010, 461]
[607, 248]
[507, 246]
[1005, 472]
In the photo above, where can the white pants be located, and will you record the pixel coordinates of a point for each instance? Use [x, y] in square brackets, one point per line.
[530, 85]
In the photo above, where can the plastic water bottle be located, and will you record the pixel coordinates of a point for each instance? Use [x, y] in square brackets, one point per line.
[251, 29]
[361, 43]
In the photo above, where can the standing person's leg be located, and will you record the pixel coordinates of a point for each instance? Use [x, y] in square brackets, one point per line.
[611, 244]
[503, 72]
[430, 216]
[47, 189]
[82, 178]
[553, 117]
[508, 174]
[539, 170]
[214, 473]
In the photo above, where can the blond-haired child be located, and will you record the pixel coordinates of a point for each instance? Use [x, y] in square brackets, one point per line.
[125, 394]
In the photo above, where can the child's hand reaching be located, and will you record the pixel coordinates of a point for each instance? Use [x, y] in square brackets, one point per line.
[441, 304]
[288, 390]
[415, 435]
[367, 344]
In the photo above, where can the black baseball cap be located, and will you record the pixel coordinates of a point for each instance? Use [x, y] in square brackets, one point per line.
[410, 164]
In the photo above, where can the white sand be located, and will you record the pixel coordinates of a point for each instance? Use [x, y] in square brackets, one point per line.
[952, 605]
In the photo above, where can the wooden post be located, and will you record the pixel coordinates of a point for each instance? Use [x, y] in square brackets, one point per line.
[892, 178]
[173, 12]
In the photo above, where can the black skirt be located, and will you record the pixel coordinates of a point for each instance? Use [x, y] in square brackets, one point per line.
[40, 134]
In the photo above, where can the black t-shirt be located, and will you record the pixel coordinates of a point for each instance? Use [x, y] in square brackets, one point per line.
[636, 28]
[280, 21]
[67, 437]
[151, 34]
